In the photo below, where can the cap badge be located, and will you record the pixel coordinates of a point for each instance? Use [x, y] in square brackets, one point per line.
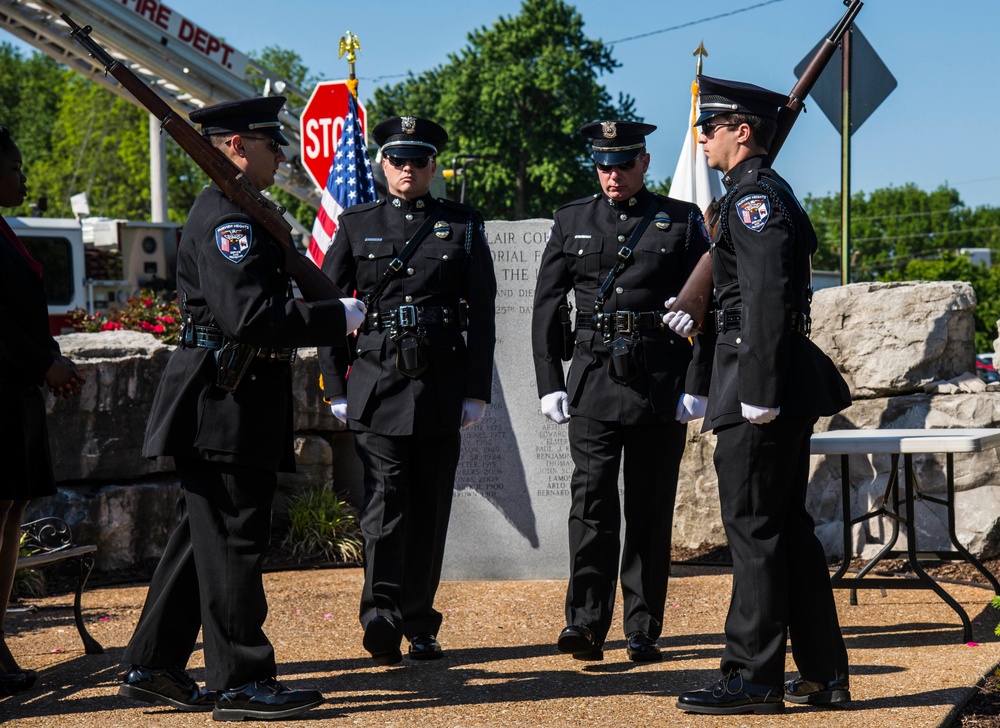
[409, 124]
[609, 129]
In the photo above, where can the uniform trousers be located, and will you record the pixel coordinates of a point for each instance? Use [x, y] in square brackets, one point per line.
[209, 577]
[652, 455]
[781, 581]
[408, 489]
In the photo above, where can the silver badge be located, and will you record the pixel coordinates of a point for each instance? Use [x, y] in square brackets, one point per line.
[442, 229]
[609, 129]
[409, 124]
[662, 221]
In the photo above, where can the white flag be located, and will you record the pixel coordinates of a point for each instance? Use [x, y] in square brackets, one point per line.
[693, 180]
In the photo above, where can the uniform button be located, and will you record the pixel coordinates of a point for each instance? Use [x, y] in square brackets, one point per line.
[739, 340]
[580, 251]
[410, 271]
[444, 257]
[371, 256]
[663, 250]
[253, 377]
[409, 216]
[408, 299]
[359, 350]
[623, 216]
[619, 290]
[621, 238]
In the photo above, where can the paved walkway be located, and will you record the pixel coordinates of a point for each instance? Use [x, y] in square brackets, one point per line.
[501, 669]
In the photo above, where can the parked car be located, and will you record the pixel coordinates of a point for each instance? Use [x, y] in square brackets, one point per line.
[985, 369]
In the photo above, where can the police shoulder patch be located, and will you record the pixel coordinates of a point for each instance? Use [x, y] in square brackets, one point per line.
[233, 239]
[754, 210]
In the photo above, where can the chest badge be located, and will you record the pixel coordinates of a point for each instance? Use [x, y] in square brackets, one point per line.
[233, 240]
[754, 210]
[662, 221]
[442, 229]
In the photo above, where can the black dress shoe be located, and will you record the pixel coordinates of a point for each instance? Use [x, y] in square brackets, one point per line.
[171, 686]
[425, 647]
[13, 682]
[733, 695]
[642, 648]
[581, 642]
[800, 690]
[264, 700]
[382, 641]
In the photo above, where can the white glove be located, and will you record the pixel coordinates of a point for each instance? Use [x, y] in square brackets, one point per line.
[555, 406]
[355, 311]
[339, 408]
[677, 321]
[759, 415]
[472, 411]
[691, 407]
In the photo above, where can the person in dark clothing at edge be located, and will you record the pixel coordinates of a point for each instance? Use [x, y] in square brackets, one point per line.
[770, 383]
[422, 370]
[632, 386]
[229, 436]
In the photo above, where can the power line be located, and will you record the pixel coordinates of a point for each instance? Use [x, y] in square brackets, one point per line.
[694, 22]
[932, 234]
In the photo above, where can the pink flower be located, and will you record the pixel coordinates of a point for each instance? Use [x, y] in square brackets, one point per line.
[159, 329]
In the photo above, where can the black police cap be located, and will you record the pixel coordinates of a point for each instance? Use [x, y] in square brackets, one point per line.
[259, 115]
[718, 96]
[409, 137]
[616, 142]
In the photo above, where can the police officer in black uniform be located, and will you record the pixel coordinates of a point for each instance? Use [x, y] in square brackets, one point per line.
[769, 385]
[422, 370]
[632, 385]
[223, 410]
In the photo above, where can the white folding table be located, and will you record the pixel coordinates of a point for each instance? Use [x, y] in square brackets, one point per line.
[905, 442]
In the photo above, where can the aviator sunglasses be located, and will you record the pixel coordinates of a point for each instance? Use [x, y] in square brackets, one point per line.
[416, 162]
[623, 167]
[275, 144]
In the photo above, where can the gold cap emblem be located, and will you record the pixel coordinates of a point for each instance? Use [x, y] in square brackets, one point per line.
[609, 129]
[409, 124]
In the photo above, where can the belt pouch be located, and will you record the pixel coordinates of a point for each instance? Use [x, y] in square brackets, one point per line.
[622, 367]
[411, 354]
[232, 360]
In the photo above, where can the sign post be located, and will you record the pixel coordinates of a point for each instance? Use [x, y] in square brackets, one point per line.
[321, 123]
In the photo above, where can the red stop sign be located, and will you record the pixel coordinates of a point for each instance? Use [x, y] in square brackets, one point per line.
[320, 126]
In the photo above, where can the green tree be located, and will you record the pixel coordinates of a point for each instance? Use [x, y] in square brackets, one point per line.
[515, 98]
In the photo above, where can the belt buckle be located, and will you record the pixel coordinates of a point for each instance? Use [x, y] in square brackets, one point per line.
[407, 315]
[623, 322]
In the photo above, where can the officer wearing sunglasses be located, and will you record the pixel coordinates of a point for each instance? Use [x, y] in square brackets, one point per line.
[632, 385]
[422, 370]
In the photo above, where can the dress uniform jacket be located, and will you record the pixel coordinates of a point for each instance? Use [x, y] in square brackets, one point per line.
[764, 359]
[27, 350]
[235, 280]
[582, 248]
[452, 264]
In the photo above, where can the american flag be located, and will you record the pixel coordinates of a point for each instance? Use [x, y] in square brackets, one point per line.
[350, 181]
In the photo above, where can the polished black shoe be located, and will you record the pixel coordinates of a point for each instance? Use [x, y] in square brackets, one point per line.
[808, 692]
[641, 647]
[382, 641]
[581, 642]
[14, 682]
[733, 695]
[425, 647]
[171, 686]
[264, 700]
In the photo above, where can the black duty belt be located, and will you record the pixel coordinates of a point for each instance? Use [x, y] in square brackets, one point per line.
[411, 317]
[730, 319]
[211, 337]
[624, 322]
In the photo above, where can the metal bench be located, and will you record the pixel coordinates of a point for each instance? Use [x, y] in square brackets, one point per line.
[48, 541]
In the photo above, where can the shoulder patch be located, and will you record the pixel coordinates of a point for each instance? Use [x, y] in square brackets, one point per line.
[754, 210]
[704, 228]
[234, 239]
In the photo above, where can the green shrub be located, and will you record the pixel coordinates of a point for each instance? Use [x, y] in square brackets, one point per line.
[28, 582]
[321, 525]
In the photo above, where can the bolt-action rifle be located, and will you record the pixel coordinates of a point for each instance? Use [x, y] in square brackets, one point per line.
[312, 282]
[695, 297]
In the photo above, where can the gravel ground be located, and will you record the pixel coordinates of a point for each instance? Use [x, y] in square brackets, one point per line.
[909, 667]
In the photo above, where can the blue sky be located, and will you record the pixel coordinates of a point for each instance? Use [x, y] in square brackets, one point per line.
[936, 127]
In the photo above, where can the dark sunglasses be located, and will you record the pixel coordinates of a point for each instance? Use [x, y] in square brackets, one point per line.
[416, 162]
[708, 128]
[623, 167]
[275, 144]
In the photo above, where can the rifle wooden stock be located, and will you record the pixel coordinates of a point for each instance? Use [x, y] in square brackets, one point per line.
[696, 295]
[313, 284]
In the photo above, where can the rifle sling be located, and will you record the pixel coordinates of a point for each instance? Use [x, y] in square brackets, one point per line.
[397, 263]
[624, 254]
